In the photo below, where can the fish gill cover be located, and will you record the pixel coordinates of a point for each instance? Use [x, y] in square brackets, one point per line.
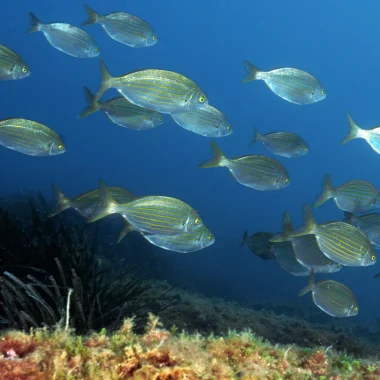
[171, 79]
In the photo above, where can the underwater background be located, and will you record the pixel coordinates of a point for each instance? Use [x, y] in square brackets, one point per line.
[207, 41]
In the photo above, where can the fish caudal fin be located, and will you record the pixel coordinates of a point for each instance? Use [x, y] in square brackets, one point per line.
[106, 80]
[309, 286]
[93, 104]
[107, 204]
[327, 191]
[34, 23]
[93, 17]
[63, 203]
[256, 137]
[244, 240]
[250, 72]
[218, 158]
[126, 229]
[353, 132]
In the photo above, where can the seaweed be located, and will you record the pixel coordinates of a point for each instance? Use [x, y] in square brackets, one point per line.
[41, 258]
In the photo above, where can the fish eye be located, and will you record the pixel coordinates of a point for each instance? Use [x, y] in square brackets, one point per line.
[210, 237]
[287, 180]
[323, 92]
[229, 128]
[356, 309]
[160, 119]
[197, 221]
[60, 147]
[373, 257]
[201, 99]
[97, 50]
[154, 38]
[339, 265]
[24, 69]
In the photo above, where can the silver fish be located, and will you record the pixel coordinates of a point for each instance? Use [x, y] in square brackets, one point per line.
[258, 172]
[352, 196]
[184, 242]
[332, 297]
[259, 244]
[283, 144]
[159, 90]
[124, 27]
[295, 86]
[30, 137]
[11, 65]
[66, 38]
[372, 136]
[368, 223]
[122, 112]
[206, 121]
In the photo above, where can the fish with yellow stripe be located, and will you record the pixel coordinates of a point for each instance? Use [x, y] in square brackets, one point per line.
[66, 38]
[341, 242]
[158, 90]
[124, 27]
[294, 85]
[184, 242]
[352, 196]
[86, 203]
[122, 112]
[206, 121]
[152, 214]
[12, 67]
[29, 137]
[332, 297]
[255, 171]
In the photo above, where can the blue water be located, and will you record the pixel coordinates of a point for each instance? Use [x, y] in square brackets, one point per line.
[338, 42]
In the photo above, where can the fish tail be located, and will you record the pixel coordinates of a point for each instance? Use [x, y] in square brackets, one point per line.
[93, 17]
[93, 103]
[106, 80]
[353, 132]
[327, 191]
[107, 204]
[256, 137]
[244, 239]
[309, 286]
[34, 23]
[250, 72]
[126, 229]
[63, 202]
[218, 158]
[286, 224]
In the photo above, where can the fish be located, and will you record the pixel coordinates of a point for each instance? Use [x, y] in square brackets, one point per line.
[85, 204]
[284, 252]
[124, 28]
[29, 137]
[255, 171]
[372, 135]
[341, 242]
[352, 196]
[294, 85]
[12, 67]
[206, 121]
[152, 214]
[332, 297]
[283, 144]
[66, 38]
[122, 112]
[368, 223]
[308, 254]
[185, 242]
[158, 90]
[259, 244]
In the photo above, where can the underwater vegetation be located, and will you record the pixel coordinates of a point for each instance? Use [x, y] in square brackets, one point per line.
[43, 260]
[161, 354]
